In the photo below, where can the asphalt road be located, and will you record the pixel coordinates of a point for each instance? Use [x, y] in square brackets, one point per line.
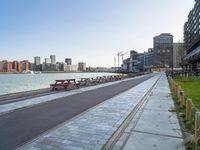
[21, 126]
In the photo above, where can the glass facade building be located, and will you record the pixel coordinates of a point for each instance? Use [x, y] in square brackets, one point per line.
[53, 59]
[192, 35]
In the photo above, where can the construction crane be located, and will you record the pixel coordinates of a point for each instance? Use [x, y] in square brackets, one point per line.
[118, 55]
[114, 61]
[123, 55]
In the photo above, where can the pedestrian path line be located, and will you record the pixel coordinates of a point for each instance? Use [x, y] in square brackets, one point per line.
[157, 134]
[6, 108]
[93, 128]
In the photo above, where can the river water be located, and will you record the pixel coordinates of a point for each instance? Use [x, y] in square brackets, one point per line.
[12, 83]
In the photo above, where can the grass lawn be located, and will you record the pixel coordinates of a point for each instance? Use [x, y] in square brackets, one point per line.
[191, 86]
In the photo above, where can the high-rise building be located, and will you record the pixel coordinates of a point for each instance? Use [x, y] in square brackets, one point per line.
[37, 60]
[192, 38]
[81, 66]
[133, 61]
[47, 61]
[149, 59]
[192, 28]
[37, 63]
[68, 61]
[163, 50]
[178, 54]
[53, 59]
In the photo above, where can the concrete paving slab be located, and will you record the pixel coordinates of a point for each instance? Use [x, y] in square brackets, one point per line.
[162, 104]
[159, 122]
[143, 141]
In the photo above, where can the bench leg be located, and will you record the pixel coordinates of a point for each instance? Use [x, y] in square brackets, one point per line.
[65, 87]
[52, 88]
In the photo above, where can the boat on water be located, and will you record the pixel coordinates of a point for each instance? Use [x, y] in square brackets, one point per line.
[31, 72]
[37, 72]
[27, 72]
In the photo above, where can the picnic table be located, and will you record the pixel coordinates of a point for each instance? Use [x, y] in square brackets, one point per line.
[86, 81]
[101, 79]
[90, 81]
[66, 83]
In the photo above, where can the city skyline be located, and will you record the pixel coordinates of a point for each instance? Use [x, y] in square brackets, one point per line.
[89, 31]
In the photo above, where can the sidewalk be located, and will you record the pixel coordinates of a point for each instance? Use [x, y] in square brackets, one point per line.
[93, 128]
[157, 128]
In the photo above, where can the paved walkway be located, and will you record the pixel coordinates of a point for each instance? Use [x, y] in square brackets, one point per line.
[157, 128]
[92, 129]
[28, 123]
[5, 108]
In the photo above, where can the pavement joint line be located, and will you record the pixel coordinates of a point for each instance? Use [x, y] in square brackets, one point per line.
[75, 120]
[150, 109]
[138, 109]
[165, 135]
[69, 93]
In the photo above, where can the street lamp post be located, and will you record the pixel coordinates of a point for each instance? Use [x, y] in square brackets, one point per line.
[172, 65]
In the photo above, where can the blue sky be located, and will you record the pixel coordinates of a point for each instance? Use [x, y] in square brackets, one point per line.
[92, 31]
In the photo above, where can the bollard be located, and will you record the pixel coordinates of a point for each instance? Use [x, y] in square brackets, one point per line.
[182, 98]
[179, 93]
[187, 109]
[189, 106]
[176, 88]
[190, 109]
[197, 128]
[174, 85]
